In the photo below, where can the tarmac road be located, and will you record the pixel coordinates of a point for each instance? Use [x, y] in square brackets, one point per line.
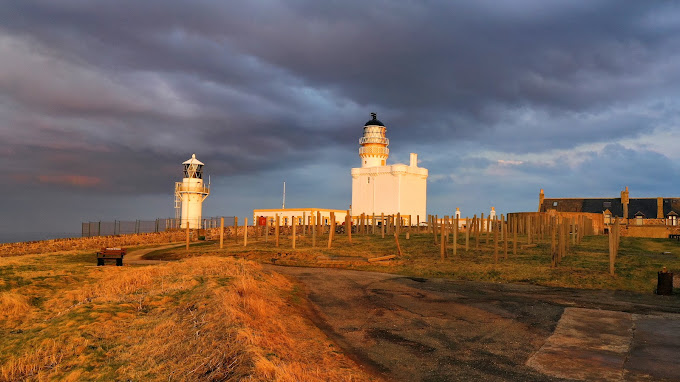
[411, 329]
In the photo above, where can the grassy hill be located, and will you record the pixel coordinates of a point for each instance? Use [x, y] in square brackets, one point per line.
[202, 318]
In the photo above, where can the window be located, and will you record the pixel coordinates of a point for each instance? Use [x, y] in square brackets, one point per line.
[607, 219]
[606, 204]
[554, 204]
[672, 219]
[639, 218]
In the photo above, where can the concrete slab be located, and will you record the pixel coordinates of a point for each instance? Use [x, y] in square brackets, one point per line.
[596, 345]
[655, 350]
[587, 344]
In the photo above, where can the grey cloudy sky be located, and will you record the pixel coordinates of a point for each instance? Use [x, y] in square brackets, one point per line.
[100, 102]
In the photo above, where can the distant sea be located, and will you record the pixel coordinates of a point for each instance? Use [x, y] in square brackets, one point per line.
[13, 237]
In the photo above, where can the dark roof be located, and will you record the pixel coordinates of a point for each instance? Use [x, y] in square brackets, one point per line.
[598, 206]
[646, 206]
[374, 121]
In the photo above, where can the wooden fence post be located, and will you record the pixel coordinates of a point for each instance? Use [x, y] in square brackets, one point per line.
[221, 232]
[304, 223]
[553, 243]
[505, 236]
[455, 237]
[319, 230]
[435, 224]
[515, 221]
[332, 230]
[494, 228]
[373, 224]
[396, 240]
[442, 246]
[348, 227]
[236, 229]
[294, 233]
[613, 245]
[382, 224]
[313, 227]
[558, 225]
[266, 230]
[277, 229]
[477, 230]
[245, 232]
[468, 226]
[187, 234]
[529, 229]
[489, 229]
[397, 228]
[481, 228]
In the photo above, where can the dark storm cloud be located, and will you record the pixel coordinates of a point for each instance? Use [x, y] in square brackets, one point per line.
[652, 173]
[111, 97]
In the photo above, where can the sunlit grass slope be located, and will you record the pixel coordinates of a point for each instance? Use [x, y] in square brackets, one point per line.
[203, 318]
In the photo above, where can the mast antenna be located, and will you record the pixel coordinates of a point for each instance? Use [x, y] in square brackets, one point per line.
[284, 195]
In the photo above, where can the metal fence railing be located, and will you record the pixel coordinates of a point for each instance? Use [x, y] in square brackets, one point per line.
[125, 227]
[214, 222]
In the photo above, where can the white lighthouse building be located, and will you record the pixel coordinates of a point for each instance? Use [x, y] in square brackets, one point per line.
[389, 189]
[190, 194]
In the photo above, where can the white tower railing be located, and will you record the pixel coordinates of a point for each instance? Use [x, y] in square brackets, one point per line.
[380, 140]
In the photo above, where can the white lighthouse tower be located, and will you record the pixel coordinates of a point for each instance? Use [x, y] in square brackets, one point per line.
[380, 188]
[190, 194]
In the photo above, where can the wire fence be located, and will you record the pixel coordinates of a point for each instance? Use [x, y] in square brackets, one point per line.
[126, 227]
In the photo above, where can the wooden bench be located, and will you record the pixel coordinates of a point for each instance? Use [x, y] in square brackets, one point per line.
[116, 254]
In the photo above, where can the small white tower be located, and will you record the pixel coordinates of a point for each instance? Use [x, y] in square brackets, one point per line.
[190, 194]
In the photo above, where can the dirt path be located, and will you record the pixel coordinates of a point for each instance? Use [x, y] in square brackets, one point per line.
[413, 329]
[135, 257]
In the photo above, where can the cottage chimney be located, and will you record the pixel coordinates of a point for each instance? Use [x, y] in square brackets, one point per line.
[625, 199]
[659, 208]
[541, 197]
[414, 160]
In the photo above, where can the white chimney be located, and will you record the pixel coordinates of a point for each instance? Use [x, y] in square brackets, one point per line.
[414, 160]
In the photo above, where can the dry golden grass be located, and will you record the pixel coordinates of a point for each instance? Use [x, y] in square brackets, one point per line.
[204, 318]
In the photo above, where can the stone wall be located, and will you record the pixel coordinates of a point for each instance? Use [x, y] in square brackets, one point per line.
[658, 231]
[597, 219]
[89, 243]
